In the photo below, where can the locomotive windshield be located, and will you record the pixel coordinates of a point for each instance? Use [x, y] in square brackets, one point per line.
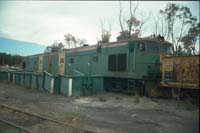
[166, 49]
[155, 48]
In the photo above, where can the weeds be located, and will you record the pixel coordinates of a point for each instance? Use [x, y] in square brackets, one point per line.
[102, 99]
[136, 99]
[73, 116]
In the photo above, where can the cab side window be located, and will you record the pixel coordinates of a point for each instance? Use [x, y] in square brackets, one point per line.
[142, 47]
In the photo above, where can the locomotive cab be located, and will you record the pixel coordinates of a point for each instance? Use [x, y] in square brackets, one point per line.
[144, 61]
[152, 47]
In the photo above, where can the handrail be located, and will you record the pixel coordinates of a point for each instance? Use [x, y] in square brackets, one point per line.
[80, 73]
[22, 72]
[49, 74]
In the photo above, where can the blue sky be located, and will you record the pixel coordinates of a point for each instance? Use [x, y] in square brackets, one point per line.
[11, 46]
[45, 21]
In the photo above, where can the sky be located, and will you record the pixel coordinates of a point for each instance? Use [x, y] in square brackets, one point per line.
[44, 22]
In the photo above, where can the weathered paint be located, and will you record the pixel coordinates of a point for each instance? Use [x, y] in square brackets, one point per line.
[34, 81]
[40, 82]
[64, 85]
[57, 84]
[17, 78]
[32, 63]
[137, 62]
[47, 82]
[27, 79]
[40, 64]
[46, 63]
[22, 79]
[54, 63]
[84, 63]
[181, 72]
[3, 75]
[61, 63]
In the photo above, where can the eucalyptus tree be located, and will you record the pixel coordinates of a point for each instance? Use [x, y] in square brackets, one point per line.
[131, 27]
[73, 41]
[177, 25]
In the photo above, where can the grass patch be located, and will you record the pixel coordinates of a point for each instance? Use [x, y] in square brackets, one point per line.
[136, 99]
[189, 105]
[73, 116]
[102, 99]
[118, 98]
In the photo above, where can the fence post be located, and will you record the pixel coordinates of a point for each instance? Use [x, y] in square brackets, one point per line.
[13, 78]
[70, 87]
[8, 76]
[52, 86]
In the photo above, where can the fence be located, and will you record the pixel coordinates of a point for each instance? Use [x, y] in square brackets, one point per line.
[57, 84]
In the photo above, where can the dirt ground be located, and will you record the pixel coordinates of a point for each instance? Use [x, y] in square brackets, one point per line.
[106, 112]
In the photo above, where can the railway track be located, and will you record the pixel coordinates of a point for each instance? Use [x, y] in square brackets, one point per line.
[12, 125]
[32, 123]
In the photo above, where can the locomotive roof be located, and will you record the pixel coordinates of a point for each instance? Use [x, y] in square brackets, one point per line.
[117, 43]
[139, 40]
[120, 43]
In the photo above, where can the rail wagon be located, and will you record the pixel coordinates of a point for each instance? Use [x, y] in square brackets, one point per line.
[181, 73]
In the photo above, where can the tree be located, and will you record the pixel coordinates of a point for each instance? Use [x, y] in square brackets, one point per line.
[72, 41]
[105, 33]
[11, 60]
[131, 27]
[54, 47]
[178, 20]
[190, 39]
[159, 26]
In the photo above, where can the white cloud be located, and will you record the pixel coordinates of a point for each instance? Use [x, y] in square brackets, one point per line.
[45, 21]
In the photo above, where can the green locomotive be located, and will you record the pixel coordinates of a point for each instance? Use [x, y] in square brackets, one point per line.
[130, 66]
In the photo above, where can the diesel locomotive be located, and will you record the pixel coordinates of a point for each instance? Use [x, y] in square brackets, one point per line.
[130, 66]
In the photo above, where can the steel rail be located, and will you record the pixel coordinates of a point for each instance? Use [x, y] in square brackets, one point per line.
[16, 126]
[47, 119]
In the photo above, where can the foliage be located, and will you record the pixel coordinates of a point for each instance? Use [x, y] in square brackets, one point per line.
[54, 47]
[105, 34]
[72, 41]
[8, 59]
[178, 20]
[74, 116]
[132, 26]
[123, 35]
[190, 39]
